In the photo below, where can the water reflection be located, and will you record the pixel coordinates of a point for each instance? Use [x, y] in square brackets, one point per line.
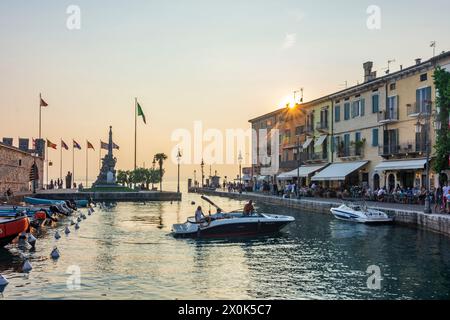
[127, 252]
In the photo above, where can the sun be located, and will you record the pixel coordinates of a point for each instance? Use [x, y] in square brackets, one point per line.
[288, 102]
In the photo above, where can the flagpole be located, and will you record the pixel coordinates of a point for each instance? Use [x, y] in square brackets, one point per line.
[87, 148]
[135, 131]
[60, 162]
[46, 152]
[40, 111]
[100, 157]
[73, 164]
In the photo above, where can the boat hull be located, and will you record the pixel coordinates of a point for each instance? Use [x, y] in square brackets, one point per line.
[11, 228]
[348, 216]
[231, 228]
[79, 203]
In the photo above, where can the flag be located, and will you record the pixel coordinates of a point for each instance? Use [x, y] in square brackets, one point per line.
[89, 145]
[51, 145]
[115, 146]
[104, 145]
[43, 103]
[76, 145]
[64, 145]
[141, 113]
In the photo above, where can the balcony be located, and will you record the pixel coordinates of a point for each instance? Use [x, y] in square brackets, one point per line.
[309, 129]
[404, 149]
[322, 127]
[289, 165]
[419, 108]
[388, 116]
[351, 153]
[316, 157]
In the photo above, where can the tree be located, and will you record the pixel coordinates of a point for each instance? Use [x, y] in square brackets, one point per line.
[122, 177]
[152, 176]
[139, 176]
[160, 158]
[442, 146]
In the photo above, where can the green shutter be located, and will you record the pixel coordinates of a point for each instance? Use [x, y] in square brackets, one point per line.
[375, 103]
[375, 137]
[363, 107]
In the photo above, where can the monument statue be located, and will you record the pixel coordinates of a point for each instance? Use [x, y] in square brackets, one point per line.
[107, 175]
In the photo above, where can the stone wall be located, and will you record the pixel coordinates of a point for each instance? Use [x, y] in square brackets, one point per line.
[15, 166]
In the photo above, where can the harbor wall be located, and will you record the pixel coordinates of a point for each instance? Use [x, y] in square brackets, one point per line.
[432, 222]
[112, 196]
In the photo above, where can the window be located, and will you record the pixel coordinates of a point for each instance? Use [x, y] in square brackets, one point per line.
[375, 133]
[375, 103]
[20, 162]
[299, 130]
[337, 113]
[358, 108]
[337, 141]
[346, 143]
[423, 98]
[357, 136]
[392, 86]
[424, 77]
[392, 107]
[346, 111]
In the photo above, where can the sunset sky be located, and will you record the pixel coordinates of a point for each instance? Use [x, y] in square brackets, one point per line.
[222, 62]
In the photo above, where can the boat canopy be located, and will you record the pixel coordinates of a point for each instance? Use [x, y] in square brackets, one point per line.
[338, 171]
[303, 172]
[401, 165]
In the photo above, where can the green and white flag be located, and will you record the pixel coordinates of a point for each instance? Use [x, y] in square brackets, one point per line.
[140, 112]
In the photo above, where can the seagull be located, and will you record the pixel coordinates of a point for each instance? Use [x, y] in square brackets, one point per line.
[27, 266]
[55, 254]
[31, 240]
[57, 235]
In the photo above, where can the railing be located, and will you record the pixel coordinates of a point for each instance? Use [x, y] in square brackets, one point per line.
[402, 149]
[352, 151]
[389, 115]
[317, 156]
[309, 129]
[423, 107]
[323, 126]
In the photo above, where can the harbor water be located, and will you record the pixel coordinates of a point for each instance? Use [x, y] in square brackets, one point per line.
[128, 253]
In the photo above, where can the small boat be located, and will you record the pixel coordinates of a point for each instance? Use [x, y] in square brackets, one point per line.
[79, 203]
[10, 228]
[360, 214]
[233, 224]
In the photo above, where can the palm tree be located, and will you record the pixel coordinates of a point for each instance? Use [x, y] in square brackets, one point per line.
[122, 177]
[160, 157]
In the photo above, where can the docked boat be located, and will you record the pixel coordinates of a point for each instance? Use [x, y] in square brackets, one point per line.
[10, 228]
[233, 224]
[37, 201]
[360, 214]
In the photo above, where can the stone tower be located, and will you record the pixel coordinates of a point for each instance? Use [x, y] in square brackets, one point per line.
[107, 175]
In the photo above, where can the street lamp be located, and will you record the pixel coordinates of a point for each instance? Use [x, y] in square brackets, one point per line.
[153, 168]
[195, 178]
[179, 155]
[202, 165]
[423, 126]
[299, 163]
[240, 166]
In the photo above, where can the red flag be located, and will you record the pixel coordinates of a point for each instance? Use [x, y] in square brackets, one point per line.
[43, 103]
[51, 144]
[89, 145]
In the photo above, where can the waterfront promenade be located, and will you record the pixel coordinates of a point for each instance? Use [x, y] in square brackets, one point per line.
[405, 214]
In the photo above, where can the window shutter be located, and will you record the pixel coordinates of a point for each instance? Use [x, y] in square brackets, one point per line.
[375, 103]
[375, 137]
[363, 107]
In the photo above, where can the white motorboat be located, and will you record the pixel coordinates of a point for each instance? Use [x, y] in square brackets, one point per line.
[233, 224]
[361, 214]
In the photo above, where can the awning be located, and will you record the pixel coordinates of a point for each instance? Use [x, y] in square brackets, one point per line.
[303, 172]
[246, 177]
[338, 171]
[320, 140]
[401, 165]
[307, 143]
[263, 178]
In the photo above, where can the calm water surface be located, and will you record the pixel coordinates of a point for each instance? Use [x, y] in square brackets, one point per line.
[128, 253]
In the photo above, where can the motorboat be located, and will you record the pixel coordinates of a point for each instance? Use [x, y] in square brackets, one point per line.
[10, 228]
[361, 214]
[37, 201]
[232, 224]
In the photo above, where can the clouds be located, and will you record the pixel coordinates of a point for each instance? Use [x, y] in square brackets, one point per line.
[289, 41]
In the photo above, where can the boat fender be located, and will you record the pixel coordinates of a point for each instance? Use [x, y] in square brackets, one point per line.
[40, 215]
[55, 254]
[31, 240]
[77, 226]
[67, 230]
[57, 235]
[27, 267]
[3, 283]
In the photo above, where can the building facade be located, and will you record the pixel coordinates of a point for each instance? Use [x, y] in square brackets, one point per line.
[15, 168]
[372, 135]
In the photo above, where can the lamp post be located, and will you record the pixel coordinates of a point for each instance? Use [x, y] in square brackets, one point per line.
[153, 169]
[423, 124]
[179, 155]
[240, 166]
[202, 165]
[195, 178]
[299, 163]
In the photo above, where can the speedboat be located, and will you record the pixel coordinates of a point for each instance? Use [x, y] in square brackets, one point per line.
[233, 224]
[30, 200]
[11, 228]
[360, 213]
